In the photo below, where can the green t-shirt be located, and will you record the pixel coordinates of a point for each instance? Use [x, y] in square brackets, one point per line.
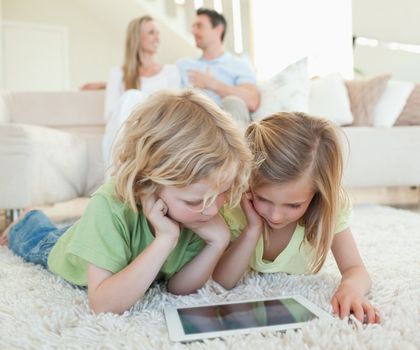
[111, 235]
[295, 257]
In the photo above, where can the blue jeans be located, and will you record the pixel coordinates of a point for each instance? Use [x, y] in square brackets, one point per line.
[33, 237]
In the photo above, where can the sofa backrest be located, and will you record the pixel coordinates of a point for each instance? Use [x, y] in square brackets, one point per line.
[54, 108]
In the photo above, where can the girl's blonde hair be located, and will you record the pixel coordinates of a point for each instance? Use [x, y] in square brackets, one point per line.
[132, 57]
[287, 146]
[176, 139]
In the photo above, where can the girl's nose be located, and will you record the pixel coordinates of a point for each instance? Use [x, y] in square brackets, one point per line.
[276, 215]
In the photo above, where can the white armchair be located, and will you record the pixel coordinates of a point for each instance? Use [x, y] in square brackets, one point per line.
[50, 146]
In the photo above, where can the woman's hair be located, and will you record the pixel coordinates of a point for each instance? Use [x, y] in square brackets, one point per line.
[176, 139]
[287, 146]
[132, 59]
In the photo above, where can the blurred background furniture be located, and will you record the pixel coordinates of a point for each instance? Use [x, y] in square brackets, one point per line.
[50, 147]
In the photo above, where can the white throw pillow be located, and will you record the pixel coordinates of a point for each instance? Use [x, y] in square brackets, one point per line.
[392, 102]
[286, 91]
[328, 98]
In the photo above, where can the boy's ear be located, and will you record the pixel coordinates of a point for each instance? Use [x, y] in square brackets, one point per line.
[219, 29]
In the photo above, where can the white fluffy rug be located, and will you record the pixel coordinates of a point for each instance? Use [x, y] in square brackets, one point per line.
[39, 310]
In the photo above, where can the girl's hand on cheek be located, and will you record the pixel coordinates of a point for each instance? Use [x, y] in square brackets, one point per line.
[346, 301]
[254, 220]
[156, 211]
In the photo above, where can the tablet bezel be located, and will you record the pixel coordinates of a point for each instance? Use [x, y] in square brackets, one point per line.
[176, 330]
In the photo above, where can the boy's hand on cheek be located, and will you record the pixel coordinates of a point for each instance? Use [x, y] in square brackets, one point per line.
[214, 232]
[255, 221]
[155, 211]
[347, 301]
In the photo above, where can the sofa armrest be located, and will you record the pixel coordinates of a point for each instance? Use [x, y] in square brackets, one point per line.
[40, 166]
[4, 110]
[381, 157]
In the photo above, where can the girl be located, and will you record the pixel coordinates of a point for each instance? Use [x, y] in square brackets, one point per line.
[139, 76]
[297, 202]
[179, 159]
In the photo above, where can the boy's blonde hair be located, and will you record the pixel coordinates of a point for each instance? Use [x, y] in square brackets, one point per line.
[287, 146]
[132, 59]
[176, 139]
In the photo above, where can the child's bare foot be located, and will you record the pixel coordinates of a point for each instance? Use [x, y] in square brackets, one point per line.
[4, 239]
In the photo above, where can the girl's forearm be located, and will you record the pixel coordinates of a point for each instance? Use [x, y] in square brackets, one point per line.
[357, 278]
[235, 260]
[197, 272]
[120, 291]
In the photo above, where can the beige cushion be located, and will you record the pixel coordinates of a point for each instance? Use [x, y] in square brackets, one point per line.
[364, 95]
[410, 115]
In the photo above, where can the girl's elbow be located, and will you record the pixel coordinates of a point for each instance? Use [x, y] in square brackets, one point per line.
[173, 288]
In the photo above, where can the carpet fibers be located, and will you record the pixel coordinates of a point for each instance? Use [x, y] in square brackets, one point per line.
[41, 311]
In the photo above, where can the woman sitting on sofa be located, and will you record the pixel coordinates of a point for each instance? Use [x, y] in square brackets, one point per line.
[139, 76]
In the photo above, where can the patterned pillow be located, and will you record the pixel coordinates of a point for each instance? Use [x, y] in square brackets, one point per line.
[410, 115]
[288, 91]
[364, 95]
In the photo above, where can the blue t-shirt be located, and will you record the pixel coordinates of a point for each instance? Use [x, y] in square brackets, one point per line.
[226, 68]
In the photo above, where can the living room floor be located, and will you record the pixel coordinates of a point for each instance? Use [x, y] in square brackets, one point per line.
[407, 198]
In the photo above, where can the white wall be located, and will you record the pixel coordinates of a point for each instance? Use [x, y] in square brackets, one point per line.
[1, 46]
[96, 32]
[93, 48]
[285, 31]
[387, 21]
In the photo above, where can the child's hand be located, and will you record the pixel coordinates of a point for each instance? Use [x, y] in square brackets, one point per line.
[255, 222]
[214, 232]
[156, 211]
[346, 300]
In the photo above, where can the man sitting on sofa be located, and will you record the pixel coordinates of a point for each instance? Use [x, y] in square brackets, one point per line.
[228, 80]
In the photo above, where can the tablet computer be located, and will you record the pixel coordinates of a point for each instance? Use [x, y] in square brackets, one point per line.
[217, 320]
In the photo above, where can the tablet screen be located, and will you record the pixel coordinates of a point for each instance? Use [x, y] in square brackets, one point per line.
[243, 315]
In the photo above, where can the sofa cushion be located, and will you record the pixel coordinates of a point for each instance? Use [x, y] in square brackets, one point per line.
[328, 98]
[40, 165]
[410, 115]
[391, 103]
[364, 95]
[288, 90]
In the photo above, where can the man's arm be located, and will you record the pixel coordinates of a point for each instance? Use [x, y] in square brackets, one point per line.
[246, 91]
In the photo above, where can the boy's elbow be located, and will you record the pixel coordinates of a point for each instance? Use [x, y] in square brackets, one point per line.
[98, 306]
[225, 284]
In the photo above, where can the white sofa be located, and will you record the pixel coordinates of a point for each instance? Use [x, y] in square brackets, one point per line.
[50, 149]
[50, 146]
